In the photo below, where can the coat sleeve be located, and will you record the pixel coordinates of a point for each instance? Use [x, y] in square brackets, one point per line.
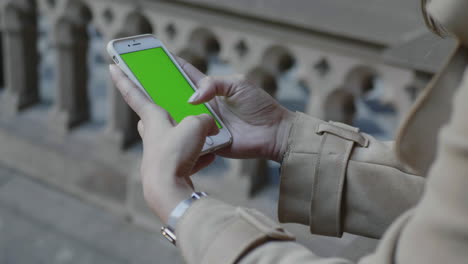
[212, 232]
[366, 189]
[435, 231]
[335, 179]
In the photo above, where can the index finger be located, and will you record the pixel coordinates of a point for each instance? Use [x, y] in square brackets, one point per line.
[136, 99]
[193, 73]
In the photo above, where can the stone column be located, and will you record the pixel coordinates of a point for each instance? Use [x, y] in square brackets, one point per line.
[71, 101]
[122, 124]
[2, 68]
[20, 56]
[253, 174]
[322, 87]
[198, 61]
[247, 177]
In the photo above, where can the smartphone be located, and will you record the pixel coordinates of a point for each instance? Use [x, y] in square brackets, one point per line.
[146, 61]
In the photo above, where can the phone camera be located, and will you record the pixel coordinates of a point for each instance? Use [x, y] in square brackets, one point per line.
[129, 45]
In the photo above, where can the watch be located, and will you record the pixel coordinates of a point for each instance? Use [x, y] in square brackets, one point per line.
[169, 231]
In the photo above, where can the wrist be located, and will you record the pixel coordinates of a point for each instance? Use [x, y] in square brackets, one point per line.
[182, 207]
[174, 200]
[166, 197]
[169, 231]
[282, 135]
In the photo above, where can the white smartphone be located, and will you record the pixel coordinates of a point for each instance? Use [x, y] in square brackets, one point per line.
[146, 61]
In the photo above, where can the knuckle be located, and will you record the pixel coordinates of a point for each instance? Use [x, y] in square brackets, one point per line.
[121, 83]
[206, 81]
[124, 89]
[204, 121]
[192, 120]
[127, 96]
[195, 122]
[205, 118]
[204, 115]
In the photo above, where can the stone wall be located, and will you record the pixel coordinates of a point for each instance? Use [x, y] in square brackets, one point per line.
[55, 140]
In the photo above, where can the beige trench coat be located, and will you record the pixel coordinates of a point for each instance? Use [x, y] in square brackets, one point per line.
[335, 179]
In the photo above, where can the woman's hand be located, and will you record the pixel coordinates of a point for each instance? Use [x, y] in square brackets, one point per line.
[170, 151]
[258, 123]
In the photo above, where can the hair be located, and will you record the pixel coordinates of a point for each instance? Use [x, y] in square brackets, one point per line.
[431, 23]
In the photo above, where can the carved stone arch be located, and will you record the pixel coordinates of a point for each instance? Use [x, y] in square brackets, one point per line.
[77, 12]
[66, 32]
[19, 39]
[12, 17]
[204, 42]
[305, 86]
[277, 59]
[2, 74]
[340, 106]
[24, 6]
[19, 16]
[200, 62]
[360, 80]
[71, 43]
[70, 21]
[2, 68]
[49, 4]
[171, 30]
[263, 79]
[135, 23]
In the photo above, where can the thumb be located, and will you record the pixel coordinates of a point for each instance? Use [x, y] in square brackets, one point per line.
[193, 130]
[209, 87]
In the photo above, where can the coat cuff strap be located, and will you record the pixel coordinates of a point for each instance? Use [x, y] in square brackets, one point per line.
[297, 170]
[335, 149]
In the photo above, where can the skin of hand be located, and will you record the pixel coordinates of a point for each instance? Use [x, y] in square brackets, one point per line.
[170, 151]
[258, 123]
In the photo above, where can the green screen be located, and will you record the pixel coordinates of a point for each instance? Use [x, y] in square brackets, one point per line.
[164, 83]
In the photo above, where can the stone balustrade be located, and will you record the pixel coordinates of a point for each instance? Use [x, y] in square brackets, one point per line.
[53, 142]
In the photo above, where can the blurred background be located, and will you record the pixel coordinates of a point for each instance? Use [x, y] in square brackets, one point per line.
[69, 149]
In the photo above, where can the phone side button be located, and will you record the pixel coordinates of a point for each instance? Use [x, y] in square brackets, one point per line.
[209, 141]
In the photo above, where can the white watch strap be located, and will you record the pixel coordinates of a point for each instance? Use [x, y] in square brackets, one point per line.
[177, 213]
[180, 209]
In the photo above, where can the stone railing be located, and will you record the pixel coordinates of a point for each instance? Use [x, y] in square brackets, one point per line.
[55, 142]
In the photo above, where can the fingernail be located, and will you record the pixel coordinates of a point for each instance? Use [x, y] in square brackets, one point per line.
[194, 97]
